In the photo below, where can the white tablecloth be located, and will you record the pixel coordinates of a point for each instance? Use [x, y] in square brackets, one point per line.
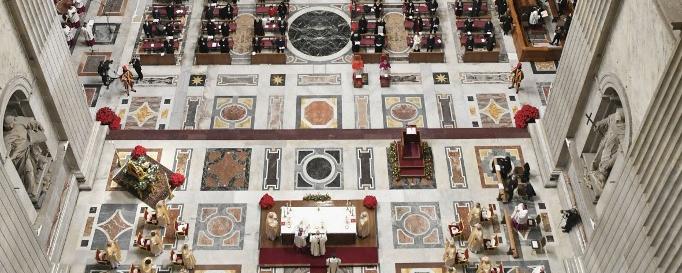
[334, 219]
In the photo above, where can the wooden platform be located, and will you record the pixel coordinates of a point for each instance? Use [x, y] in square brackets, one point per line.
[212, 58]
[157, 59]
[524, 49]
[427, 57]
[269, 58]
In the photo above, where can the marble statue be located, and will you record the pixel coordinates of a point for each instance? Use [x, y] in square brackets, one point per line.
[272, 226]
[188, 259]
[113, 253]
[606, 154]
[364, 225]
[156, 244]
[476, 239]
[484, 266]
[475, 214]
[450, 255]
[24, 140]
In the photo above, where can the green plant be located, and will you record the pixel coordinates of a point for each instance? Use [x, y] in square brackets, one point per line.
[428, 161]
[393, 160]
[317, 197]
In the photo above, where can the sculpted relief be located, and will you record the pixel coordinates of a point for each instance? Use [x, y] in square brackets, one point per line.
[25, 143]
[612, 129]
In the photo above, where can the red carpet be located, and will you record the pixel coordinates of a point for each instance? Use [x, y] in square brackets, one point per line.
[289, 256]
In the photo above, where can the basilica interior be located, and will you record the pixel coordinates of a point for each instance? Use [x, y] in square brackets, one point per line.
[238, 136]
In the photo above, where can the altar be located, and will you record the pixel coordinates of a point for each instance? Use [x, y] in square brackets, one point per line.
[338, 222]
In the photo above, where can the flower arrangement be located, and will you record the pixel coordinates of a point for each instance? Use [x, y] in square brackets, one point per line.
[266, 202]
[527, 114]
[428, 161]
[393, 160]
[176, 180]
[106, 116]
[370, 202]
[317, 197]
[138, 151]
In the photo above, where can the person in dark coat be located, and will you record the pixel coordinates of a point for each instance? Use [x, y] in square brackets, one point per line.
[418, 25]
[435, 24]
[502, 8]
[468, 25]
[476, 8]
[282, 9]
[378, 9]
[224, 45]
[282, 25]
[355, 41]
[203, 45]
[147, 28]
[225, 29]
[433, 7]
[558, 35]
[256, 44]
[135, 62]
[362, 25]
[506, 24]
[170, 12]
[489, 42]
[208, 15]
[156, 14]
[459, 8]
[430, 43]
[488, 27]
[380, 25]
[169, 46]
[103, 71]
[280, 45]
[170, 29]
[378, 43]
[210, 28]
[469, 46]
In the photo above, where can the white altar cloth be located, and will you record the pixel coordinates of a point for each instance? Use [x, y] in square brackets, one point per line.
[336, 220]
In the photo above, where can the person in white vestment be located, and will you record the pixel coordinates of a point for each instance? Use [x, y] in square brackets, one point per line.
[323, 241]
[315, 245]
[534, 18]
[520, 216]
[539, 269]
[333, 264]
[475, 214]
[475, 242]
[299, 239]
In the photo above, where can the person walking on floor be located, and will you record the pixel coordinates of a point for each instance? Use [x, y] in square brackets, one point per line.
[138, 67]
[516, 77]
[127, 80]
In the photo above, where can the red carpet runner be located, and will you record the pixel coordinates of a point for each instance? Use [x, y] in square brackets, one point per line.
[289, 256]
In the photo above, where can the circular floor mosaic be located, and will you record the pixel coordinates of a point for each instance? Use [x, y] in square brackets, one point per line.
[319, 168]
[319, 33]
[404, 111]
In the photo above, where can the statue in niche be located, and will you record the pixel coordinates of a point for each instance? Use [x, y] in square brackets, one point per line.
[25, 142]
[606, 155]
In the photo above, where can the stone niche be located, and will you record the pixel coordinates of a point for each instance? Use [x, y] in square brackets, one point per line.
[25, 143]
[605, 144]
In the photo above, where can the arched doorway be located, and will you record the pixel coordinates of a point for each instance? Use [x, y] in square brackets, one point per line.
[25, 144]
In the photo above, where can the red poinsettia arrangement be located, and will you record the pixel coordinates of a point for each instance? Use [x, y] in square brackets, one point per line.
[176, 180]
[266, 202]
[106, 116]
[138, 152]
[370, 202]
[525, 115]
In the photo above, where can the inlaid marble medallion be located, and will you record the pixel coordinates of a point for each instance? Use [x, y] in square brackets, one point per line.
[226, 169]
[143, 113]
[105, 34]
[485, 155]
[92, 93]
[318, 112]
[90, 61]
[484, 77]
[220, 227]
[416, 225]
[494, 110]
[543, 90]
[458, 178]
[403, 110]
[319, 33]
[233, 112]
[319, 168]
[115, 222]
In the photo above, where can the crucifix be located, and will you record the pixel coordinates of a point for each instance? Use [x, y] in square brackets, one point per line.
[591, 122]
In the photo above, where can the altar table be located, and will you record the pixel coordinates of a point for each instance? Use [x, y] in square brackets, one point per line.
[339, 223]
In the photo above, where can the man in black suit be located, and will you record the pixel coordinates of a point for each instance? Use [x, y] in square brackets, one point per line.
[489, 42]
[203, 45]
[362, 25]
[468, 25]
[282, 25]
[488, 26]
[169, 46]
[430, 43]
[435, 24]
[170, 29]
[208, 15]
[170, 12]
[147, 28]
[469, 46]
[224, 45]
[256, 44]
[355, 41]
[280, 44]
[156, 14]
[378, 43]
[210, 28]
[138, 67]
[225, 29]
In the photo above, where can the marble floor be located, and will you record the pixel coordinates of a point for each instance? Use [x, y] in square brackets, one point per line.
[230, 176]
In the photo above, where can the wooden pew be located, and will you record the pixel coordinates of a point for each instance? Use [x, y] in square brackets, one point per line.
[524, 49]
[212, 58]
[269, 58]
[426, 57]
[511, 234]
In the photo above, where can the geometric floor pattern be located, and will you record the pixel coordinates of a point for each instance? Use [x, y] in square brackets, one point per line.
[220, 227]
[416, 225]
